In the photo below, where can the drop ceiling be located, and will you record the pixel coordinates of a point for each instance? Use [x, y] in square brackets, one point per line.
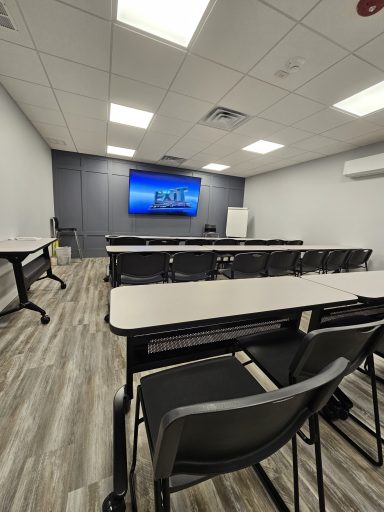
[68, 60]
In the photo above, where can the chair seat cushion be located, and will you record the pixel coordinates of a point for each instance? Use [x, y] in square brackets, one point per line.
[274, 352]
[178, 276]
[223, 378]
[240, 275]
[125, 279]
[66, 229]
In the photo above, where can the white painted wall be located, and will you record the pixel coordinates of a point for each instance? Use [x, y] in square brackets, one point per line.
[314, 202]
[26, 191]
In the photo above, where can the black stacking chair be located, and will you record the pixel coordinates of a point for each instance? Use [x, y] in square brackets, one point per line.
[335, 261]
[164, 241]
[226, 241]
[255, 242]
[295, 356]
[69, 231]
[282, 263]
[142, 268]
[251, 264]
[274, 242]
[212, 417]
[293, 242]
[193, 266]
[312, 261]
[127, 240]
[199, 241]
[357, 258]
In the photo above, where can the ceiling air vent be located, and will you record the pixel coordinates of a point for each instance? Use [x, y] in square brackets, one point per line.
[173, 160]
[224, 118]
[6, 20]
[55, 142]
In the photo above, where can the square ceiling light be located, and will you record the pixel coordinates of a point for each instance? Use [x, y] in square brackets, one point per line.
[174, 20]
[114, 150]
[130, 116]
[215, 167]
[364, 102]
[263, 147]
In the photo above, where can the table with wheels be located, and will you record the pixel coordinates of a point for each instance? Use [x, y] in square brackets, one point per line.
[16, 251]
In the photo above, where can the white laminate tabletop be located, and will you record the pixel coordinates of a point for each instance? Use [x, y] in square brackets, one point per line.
[245, 248]
[24, 246]
[118, 249]
[366, 285]
[144, 307]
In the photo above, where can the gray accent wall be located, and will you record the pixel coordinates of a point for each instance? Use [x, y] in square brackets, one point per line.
[91, 194]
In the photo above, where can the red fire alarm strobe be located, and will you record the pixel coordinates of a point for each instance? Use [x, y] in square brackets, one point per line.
[369, 7]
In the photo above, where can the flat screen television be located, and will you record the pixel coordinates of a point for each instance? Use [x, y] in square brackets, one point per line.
[156, 193]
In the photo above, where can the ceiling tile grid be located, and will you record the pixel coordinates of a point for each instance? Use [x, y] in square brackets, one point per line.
[69, 59]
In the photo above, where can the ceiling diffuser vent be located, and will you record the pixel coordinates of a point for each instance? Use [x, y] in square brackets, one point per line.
[174, 160]
[5, 18]
[56, 142]
[224, 118]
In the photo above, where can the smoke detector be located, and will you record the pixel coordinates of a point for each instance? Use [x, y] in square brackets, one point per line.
[293, 65]
[369, 7]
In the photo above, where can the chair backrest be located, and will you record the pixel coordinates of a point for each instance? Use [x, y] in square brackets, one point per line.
[251, 263]
[220, 437]
[210, 228]
[276, 241]
[142, 264]
[313, 260]
[282, 263]
[127, 240]
[196, 265]
[164, 241]
[255, 242]
[320, 347]
[198, 241]
[293, 242]
[56, 222]
[335, 260]
[358, 257]
[226, 241]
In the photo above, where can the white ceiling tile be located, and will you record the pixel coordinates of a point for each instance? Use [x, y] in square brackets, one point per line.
[376, 118]
[92, 150]
[155, 141]
[20, 35]
[66, 32]
[42, 115]
[313, 143]
[370, 138]
[33, 94]
[206, 133]
[335, 147]
[235, 140]
[57, 132]
[124, 136]
[102, 8]
[291, 109]
[295, 8]
[324, 120]
[85, 139]
[238, 34]
[194, 164]
[285, 152]
[342, 80]
[305, 157]
[78, 123]
[142, 58]
[339, 21]
[148, 155]
[187, 147]
[73, 104]
[318, 52]
[19, 62]
[77, 78]
[236, 158]
[289, 136]
[373, 52]
[259, 128]
[183, 107]
[131, 93]
[68, 147]
[218, 149]
[351, 130]
[170, 125]
[203, 79]
[251, 96]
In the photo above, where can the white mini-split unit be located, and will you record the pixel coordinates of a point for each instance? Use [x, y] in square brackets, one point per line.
[367, 166]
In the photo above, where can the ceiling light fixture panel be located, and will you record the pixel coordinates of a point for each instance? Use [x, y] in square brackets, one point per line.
[114, 150]
[130, 116]
[215, 167]
[263, 147]
[364, 102]
[173, 20]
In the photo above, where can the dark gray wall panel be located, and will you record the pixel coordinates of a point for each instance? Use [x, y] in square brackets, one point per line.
[120, 220]
[67, 197]
[95, 201]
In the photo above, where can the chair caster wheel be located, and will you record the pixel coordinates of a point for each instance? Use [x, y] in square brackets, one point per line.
[63, 286]
[106, 319]
[45, 319]
[106, 279]
[113, 503]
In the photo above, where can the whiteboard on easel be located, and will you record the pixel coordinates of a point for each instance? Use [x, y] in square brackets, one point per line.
[237, 222]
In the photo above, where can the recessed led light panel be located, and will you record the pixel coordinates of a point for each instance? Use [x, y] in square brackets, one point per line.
[114, 150]
[364, 102]
[263, 147]
[130, 116]
[215, 167]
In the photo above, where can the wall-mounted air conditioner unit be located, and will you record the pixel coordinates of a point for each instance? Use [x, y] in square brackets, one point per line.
[366, 166]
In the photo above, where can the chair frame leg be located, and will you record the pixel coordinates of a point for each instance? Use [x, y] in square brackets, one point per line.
[138, 420]
[315, 427]
[295, 471]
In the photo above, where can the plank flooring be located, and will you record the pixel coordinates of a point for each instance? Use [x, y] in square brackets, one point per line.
[57, 384]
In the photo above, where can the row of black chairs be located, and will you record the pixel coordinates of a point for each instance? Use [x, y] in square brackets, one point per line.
[133, 240]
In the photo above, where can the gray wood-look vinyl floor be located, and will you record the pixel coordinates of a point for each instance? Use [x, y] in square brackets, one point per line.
[57, 384]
